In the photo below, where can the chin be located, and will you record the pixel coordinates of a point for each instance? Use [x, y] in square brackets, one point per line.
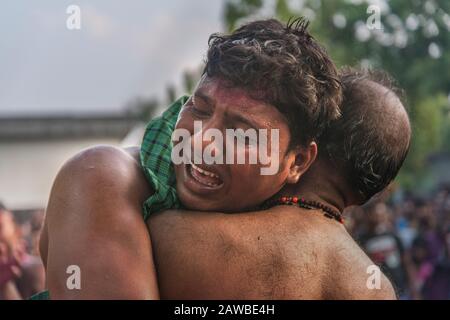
[196, 203]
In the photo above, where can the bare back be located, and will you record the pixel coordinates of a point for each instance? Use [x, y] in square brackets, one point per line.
[281, 253]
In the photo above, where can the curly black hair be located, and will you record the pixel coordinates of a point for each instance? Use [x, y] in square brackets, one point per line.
[284, 66]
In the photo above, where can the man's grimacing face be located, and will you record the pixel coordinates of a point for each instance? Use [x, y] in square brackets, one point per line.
[230, 187]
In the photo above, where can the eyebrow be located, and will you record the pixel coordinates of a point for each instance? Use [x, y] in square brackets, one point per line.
[204, 97]
[236, 116]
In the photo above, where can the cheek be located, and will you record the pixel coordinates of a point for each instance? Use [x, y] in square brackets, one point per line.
[245, 178]
[275, 150]
[239, 171]
[249, 178]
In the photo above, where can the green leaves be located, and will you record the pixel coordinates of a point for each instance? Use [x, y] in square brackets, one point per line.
[236, 10]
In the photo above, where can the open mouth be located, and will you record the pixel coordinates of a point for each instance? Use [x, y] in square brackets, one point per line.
[204, 177]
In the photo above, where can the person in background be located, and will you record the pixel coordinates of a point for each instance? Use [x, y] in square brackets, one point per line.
[384, 247]
[437, 286]
[429, 230]
[422, 265]
[21, 274]
[9, 256]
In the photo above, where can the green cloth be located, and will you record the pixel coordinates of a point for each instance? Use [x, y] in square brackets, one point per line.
[155, 156]
[156, 162]
[44, 295]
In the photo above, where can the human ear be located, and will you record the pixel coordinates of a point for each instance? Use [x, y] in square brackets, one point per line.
[302, 158]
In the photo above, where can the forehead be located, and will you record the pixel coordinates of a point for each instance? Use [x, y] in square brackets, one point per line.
[220, 94]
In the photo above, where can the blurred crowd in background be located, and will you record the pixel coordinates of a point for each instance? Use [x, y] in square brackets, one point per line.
[407, 236]
[21, 270]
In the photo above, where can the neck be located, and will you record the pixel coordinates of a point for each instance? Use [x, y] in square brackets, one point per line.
[320, 183]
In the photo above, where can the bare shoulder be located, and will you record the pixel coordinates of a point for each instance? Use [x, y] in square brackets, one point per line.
[103, 156]
[134, 152]
[94, 220]
[352, 275]
[248, 251]
[99, 177]
[102, 166]
[282, 253]
[316, 258]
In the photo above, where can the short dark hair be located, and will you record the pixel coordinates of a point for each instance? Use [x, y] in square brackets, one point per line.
[284, 66]
[371, 140]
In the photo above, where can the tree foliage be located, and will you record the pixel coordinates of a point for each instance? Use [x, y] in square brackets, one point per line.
[411, 41]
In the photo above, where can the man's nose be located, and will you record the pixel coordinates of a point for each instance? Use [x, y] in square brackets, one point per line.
[210, 137]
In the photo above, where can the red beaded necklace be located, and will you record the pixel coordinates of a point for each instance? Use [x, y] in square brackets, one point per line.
[306, 204]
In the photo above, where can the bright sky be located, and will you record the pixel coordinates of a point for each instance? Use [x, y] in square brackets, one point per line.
[123, 50]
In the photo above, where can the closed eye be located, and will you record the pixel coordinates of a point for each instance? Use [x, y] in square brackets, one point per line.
[197, 111]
